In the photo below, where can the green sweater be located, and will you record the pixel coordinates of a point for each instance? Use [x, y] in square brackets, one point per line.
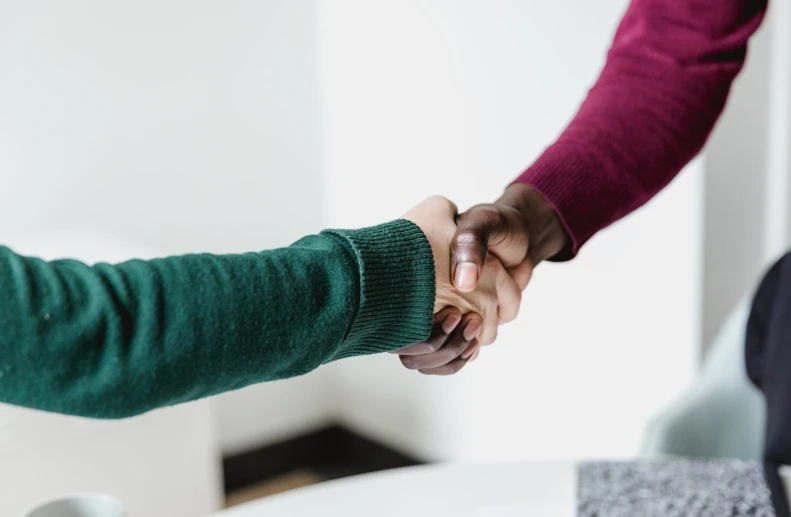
[112, 341]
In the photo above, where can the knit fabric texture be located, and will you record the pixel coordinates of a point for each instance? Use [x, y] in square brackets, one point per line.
[664, 85]
[112, 341]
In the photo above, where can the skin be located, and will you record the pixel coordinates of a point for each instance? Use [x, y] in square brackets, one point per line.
[464, 320]
[451, 346]
[521, 229]
[514, 234]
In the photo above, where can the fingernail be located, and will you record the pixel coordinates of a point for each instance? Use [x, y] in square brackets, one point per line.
[466, 275]
[450, 322]
[470, 350]
[408, 362]
[472, 330]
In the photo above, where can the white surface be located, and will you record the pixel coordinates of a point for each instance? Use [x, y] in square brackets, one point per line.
[186, 126]
[430, 491]
[81, 505]
[785, 475]
[532, 510]
[457, 97]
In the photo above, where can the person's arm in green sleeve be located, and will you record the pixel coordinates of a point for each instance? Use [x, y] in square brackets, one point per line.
[111, 341]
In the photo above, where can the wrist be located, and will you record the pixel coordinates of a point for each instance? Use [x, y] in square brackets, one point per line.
[547, 236]
[397, 287]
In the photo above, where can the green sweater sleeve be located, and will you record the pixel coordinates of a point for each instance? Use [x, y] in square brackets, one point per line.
[111, 341]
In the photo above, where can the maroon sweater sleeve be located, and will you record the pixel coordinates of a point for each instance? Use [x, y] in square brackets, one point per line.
[667, 76]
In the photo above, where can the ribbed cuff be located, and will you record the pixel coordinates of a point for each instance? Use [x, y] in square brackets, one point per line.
[586, 197]
[397, 288]
[583, 205]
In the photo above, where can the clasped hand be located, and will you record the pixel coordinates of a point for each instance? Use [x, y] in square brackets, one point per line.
[466, 313]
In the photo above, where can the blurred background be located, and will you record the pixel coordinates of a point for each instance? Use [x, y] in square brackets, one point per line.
[140, 129]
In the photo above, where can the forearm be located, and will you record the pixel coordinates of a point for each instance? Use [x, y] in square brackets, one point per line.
[662, 89]
[112, 341]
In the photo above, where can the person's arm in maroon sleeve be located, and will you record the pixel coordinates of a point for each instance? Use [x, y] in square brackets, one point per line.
[663, 87]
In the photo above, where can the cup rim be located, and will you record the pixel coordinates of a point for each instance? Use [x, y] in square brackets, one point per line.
[74, 496]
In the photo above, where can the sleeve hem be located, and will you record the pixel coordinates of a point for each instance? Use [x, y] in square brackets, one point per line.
[397, 288]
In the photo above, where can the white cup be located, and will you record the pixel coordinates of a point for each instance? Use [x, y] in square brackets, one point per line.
[80, 505]
[785, 476]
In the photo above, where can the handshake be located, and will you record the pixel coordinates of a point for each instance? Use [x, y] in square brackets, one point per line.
[484, 259]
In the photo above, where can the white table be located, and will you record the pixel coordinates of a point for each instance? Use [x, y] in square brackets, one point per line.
[435, 490]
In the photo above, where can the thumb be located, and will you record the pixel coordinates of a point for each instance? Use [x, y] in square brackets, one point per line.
[479, 230]
[468, 255]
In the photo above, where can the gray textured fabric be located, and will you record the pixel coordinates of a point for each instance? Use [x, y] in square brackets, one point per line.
[673, 488]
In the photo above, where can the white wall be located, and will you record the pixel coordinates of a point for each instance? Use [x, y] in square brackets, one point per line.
[736, 189]
[778, 208]
[747, 174]
[181, 125]
[456, 97]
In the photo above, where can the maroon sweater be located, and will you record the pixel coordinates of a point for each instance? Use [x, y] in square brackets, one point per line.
[665, 83]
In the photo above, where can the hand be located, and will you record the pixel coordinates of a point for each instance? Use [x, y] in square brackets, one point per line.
[451, 346]
[496, 298]
[521, 229]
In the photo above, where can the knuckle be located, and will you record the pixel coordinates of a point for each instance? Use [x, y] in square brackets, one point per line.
[508, 316]
[488, 341]
[437, 198]
[481, 221]
[433, 346]
[494, 217]
[443, 203]
[468, 238]
[489, 336]
[408, 362]
[442, 357]
[490, 302]
[508, 310]
[488, 219]
[453, 368]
